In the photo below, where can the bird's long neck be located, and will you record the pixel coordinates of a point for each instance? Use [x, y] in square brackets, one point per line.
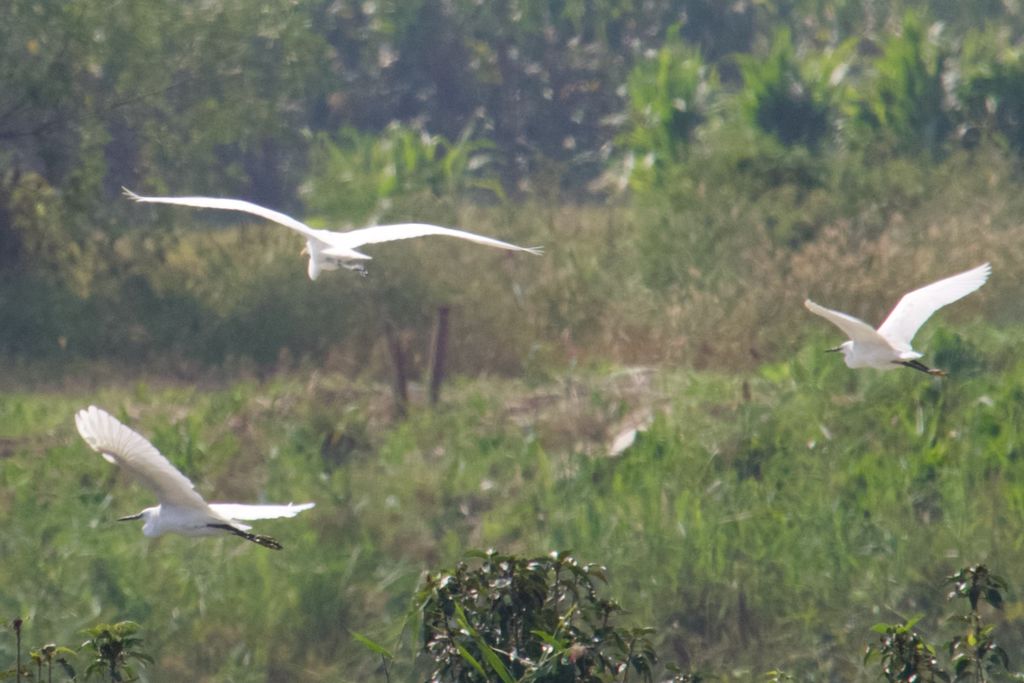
[151, 517]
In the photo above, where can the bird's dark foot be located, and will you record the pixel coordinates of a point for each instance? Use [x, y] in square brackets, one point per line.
[265, 541]
[917, 365]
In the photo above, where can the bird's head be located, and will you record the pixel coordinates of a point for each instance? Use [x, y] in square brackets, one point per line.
[149, 516]
[846, 348]
[144, 514]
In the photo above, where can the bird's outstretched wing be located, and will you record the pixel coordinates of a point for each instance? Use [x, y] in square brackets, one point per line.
[916, 307]
[857, 330]
[127, 449]
[248, 512]
[403, 231]
[232, 205]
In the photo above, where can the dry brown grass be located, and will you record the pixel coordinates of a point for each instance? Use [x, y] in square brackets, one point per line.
[249, 311]
[590, 303]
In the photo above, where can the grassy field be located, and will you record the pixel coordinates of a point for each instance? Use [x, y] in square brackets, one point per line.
[776, 508]
[765, 520]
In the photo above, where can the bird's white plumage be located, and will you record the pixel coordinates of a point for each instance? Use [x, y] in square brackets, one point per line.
[327, 248]
[855, 328]
[890, 344]
[917, 306]
[403, 231]
[137, 456]
[231, 205]
[250, 512]
[182, 510]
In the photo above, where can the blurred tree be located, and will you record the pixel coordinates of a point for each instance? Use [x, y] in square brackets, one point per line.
[354, 175]
[792, 98]
[669, 96]
[904, 106]
[990, 87]
[183, 95]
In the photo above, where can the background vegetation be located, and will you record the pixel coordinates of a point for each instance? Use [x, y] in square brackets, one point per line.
[694, 168]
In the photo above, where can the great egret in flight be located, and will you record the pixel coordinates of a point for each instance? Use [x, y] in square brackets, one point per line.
[328, 249]
[181, 509]
[889, 345]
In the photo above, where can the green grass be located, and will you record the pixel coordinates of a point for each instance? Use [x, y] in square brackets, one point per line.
[757, 533]
[779, 505]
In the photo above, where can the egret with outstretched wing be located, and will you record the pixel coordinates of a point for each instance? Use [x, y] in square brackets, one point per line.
[181, 509]
[889, 345]
[328, 249]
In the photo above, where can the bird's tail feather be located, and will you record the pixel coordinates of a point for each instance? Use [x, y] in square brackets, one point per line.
[265, 541]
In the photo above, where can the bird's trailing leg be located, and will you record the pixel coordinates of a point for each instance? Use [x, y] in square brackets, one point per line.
[358, 267]
[265, 541]
[917, 365]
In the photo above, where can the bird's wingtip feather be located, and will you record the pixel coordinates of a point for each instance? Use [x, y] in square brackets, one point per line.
[82, 417]
[982, 272]
[85, 422]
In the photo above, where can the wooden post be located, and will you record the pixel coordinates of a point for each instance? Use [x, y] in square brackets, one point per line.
[398, 382]
[438, 351]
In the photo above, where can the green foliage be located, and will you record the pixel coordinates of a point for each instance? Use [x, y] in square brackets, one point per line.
[973, 656]
[114, 648]
[818, 133]
[48, 654]
[905, 102]
[905, 656]
[796, 100]
[669, 97]
[521, 619]
[777, 498]
[990, 87]
[754, 529]
[362, 174]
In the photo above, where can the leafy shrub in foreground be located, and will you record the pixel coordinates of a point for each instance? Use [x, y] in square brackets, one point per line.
[973, 656]
[113, 648]
[519, 619]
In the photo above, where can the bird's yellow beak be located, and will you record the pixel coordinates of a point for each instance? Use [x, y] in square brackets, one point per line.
[304, 252]
[835, 350]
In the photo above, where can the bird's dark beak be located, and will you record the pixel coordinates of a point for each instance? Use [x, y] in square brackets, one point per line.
[129, 518]
[835, 350]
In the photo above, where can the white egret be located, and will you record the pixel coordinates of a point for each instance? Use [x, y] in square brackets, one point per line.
[181, 509]
[328, 249]
[889, 345]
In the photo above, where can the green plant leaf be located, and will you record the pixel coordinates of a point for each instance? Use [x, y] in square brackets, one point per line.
[464, 653]
[371, 645]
